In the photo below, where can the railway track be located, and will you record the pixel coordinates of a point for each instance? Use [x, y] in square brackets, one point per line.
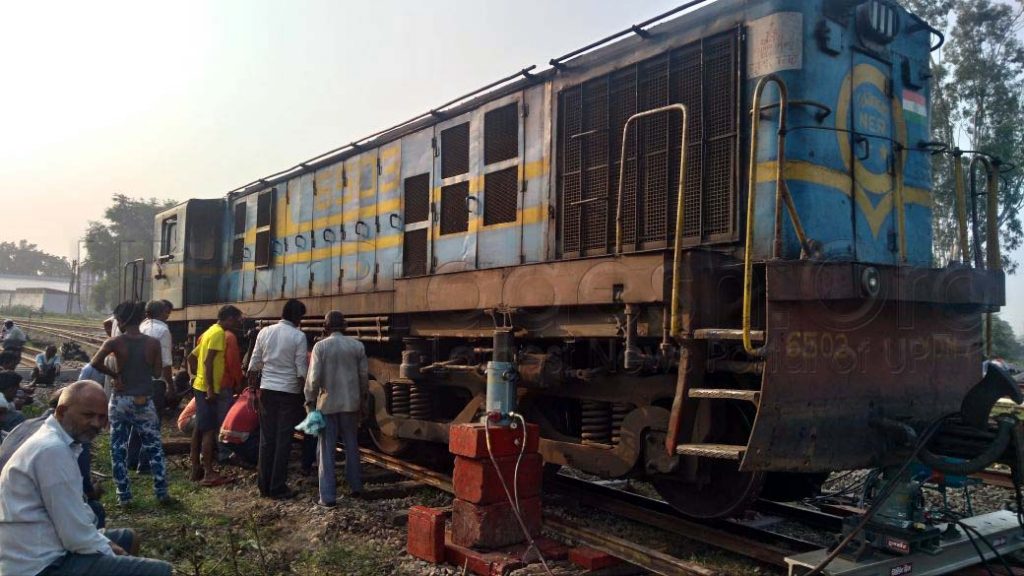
[91, 340]
[736, 537]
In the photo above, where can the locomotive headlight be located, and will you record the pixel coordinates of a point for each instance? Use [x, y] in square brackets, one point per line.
[869, 282]
[878, 20]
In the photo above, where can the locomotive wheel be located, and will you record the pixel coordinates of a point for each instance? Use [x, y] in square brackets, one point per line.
[387, 444]
[720, 489]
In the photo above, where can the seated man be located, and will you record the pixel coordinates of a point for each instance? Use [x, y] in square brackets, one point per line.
[26, 429]
[9, 386]
[47, 367]
[13, 338]
[240, 431]
[41, 495]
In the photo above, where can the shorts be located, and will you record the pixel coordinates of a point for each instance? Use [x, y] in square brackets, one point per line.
[210, 415]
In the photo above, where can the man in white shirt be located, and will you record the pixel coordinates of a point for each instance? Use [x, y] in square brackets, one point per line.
[337, 385]
[46, 528]
[47, 367]
[155, 326]
[278, 366]
[13, 338]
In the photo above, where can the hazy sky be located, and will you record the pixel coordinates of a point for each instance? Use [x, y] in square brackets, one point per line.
[193, 98]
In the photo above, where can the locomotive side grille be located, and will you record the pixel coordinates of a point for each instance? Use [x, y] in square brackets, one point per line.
[570, 159]
[704, 77]
[455, 150]
[720, 197]
[414, 253]
[688, 89]
[623, 105]
[595, 165]
[501, 134]
[417, 198]
[454, 215]
[500, 196]
[654, 203]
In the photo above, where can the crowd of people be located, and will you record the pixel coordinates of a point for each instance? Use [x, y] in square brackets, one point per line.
[244, 407]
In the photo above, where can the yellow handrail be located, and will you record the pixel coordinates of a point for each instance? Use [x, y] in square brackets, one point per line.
[993, 258]
[781, 195]
[677, 257]
[901, 215]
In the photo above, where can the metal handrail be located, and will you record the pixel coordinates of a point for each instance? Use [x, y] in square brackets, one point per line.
[680, 204]
[781, 195]
[992, 256]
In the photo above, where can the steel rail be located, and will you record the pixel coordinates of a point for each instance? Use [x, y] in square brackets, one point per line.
[635, 553]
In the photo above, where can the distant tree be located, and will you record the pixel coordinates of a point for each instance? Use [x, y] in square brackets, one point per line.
[1006, 344]
[977, 104]
[27, 259]
[125, 235]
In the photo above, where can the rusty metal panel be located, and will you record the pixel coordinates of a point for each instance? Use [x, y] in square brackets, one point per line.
[454, 215]
[501, 193]
[831, 370]
[417, 198]
[455, 150]
[501, 134]
[414, 252]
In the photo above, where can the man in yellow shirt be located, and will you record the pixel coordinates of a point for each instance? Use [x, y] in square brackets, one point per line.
[212, 399]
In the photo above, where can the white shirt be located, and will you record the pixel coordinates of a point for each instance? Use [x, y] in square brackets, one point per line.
[43, 513]
[159, 330]
[337, 374]
[280, 353]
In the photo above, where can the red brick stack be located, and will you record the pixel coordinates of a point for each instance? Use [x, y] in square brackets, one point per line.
[481, 514]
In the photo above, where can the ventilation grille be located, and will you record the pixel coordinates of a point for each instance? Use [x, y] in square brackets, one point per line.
[500, 196]
[501, 134]
[237, 252]
[414, 253]
[239, 218]
[704, 77]
[455, 150]
[417, 198]
[454, 215]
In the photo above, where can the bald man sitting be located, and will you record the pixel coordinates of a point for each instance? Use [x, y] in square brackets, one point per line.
[46, 528]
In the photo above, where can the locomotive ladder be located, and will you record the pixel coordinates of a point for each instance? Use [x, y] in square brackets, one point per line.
[685, 387]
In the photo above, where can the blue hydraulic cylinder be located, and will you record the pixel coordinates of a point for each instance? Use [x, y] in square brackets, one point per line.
[502, 379]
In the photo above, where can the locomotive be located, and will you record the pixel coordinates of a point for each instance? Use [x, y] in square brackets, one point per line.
[708, 238]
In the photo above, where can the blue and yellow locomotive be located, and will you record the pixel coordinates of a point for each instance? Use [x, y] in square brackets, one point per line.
[710, 239]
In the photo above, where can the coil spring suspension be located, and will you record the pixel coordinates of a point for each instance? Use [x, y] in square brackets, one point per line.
[400, 399]
[420, 402]
[619, 412]
[596, 422]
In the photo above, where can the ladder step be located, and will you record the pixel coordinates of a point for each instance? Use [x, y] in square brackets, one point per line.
[736, 366]
[719, 451]
[753, 396]
[726, 334]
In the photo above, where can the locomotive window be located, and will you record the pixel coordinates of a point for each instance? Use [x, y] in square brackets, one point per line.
[263, 249]
[414, 253]
[169, 236]
[455, 150]
[264, 227]
[417, 198]
[237, 251]
[500, 196]
[240, 217]
[454, 214]
[202, 244]
[501, 134]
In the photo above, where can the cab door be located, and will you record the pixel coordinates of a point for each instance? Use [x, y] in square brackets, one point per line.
[456, 200]
[498, 126]
[325, 233]
[302, 238]
[416, 220]
[872, 156]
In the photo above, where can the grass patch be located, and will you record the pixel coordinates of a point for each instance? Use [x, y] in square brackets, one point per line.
[344, 557]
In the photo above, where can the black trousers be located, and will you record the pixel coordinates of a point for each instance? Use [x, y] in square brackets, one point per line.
[280, 412]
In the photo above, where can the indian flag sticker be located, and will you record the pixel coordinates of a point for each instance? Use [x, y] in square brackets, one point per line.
[914, 107]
